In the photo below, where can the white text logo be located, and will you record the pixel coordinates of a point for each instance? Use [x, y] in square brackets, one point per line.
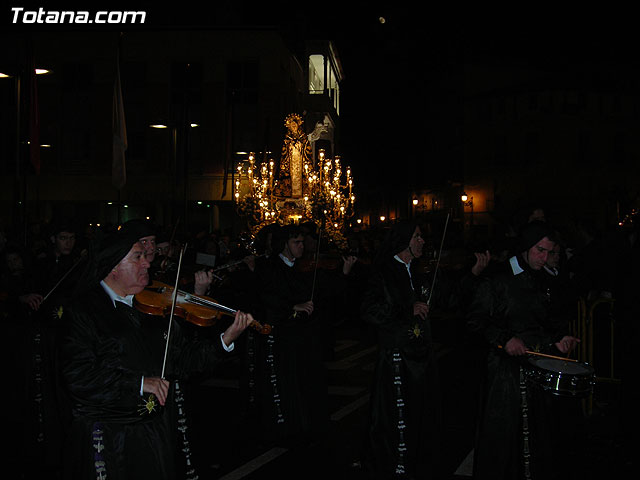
[42, 16]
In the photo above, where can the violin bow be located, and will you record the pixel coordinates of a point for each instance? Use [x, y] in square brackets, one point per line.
[315, 270]
[77, 261]
[173, 235]
[173, 307]
[435, 272]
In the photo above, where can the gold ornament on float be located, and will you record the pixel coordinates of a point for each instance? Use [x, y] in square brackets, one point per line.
[305, 189]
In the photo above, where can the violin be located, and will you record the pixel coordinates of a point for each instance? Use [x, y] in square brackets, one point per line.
[323, 261]
[218, 272]
[157, 299]
[232, 264]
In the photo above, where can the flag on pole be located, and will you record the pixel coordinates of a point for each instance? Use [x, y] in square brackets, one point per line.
[119, 128]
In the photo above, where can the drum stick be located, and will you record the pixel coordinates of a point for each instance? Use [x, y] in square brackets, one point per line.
[538, 354]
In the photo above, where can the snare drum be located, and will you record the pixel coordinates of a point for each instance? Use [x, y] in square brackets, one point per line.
[561, 377]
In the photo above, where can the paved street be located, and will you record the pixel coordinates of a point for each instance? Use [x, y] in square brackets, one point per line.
[223, 449]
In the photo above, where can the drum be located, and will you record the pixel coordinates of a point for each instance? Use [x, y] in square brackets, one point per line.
[561, 377]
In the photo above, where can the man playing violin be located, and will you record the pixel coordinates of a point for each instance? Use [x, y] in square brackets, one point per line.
[512, 314]
[405, 395]
[291, 396]
[52, 279]
[128, 418]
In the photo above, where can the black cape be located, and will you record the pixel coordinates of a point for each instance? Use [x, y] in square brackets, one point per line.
[515, 302]
[291, 391]
[105, 351]
[404, 427]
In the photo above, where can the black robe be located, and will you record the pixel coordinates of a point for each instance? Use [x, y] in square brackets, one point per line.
[39, 408]
[291, 391]
[104, 353]
[512, 304]
[404, 428]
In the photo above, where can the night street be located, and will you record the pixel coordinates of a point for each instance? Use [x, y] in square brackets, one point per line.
[238, 457]
[308, 164]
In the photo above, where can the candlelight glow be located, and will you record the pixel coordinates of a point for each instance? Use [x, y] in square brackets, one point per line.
[328, 192]
[317, 189]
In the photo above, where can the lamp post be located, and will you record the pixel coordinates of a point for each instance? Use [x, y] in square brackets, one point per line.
[180, 151]
[467, 202]
[20, 215]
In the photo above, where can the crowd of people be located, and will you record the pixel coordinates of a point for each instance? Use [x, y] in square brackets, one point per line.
[98, 388]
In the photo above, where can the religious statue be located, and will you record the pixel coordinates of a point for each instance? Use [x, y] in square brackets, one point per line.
[301, 188]
[296, 156]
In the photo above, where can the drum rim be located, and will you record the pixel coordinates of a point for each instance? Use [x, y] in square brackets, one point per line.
[533, 361]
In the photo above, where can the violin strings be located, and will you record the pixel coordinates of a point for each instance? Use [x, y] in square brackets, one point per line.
[207, 303]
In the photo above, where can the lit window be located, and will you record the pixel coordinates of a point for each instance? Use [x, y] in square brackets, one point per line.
[316, 74]
[323, 78]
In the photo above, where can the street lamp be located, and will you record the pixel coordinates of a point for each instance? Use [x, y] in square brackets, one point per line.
[20, 188]
[414, 209]
[179, 133]
[467, 202]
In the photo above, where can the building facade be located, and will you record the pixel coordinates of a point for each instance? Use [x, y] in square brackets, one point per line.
[195, 103]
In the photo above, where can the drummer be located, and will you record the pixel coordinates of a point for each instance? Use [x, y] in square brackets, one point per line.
[511, 313]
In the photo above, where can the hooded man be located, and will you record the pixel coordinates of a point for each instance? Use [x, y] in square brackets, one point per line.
[512, 313]
[404, 428]
[126, 414]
